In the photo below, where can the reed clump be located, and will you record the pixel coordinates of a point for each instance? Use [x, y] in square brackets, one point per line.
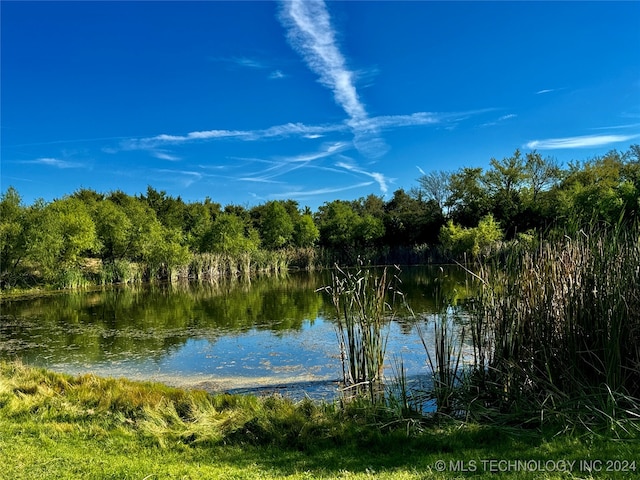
[445, 362]
[556, 330]
[363, 299]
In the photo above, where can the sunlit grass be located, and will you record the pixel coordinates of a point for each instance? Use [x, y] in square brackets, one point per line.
[58, 426]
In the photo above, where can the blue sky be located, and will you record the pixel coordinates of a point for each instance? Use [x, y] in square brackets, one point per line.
[249, 102]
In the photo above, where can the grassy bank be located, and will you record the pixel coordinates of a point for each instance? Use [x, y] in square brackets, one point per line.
[57, 426]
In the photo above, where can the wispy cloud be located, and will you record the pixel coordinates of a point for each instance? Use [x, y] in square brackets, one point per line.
[54, 162]
[285, 130]
[368, 124]
[579, 142]
[499, 120]
[320, 191]
[549, 90]
[258, 180]
[311, 34]
[247, 62]
[283, 165]
[618, 127]
[377, 176]
[164, 155]
[276, 75]
[184, 177]
[253, 64]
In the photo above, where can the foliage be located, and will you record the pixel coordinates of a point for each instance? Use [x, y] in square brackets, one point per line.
[450, 212]
[469, 200]
[305, 232]
[13, 235]
[459, 241]
[276, 226]
[229, 234]
[345, 232]
[410, 220]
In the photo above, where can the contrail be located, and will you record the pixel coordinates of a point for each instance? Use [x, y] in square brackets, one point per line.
[312, 36]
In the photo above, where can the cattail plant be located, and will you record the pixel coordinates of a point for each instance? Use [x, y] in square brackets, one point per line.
[445, 361]
[362, 310]
[561, 325]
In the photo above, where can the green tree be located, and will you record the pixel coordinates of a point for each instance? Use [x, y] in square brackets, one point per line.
[367, 231]
[458, 241]
[127, 228]
[197, 222]
[169, 211]
[504, 182]
[114, 230]
[230, 234]
[336, 222]
[276, 227]
[410, 220]
[167, 252]
[469, 200]
[305, 232]
[602, 189]
[61, 233]
[541, 174]
[13, 227]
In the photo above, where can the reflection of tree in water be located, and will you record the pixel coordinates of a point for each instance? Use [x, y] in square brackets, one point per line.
[151, 320]
[428, 290]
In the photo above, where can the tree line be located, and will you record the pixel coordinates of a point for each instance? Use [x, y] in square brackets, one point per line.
[446, 214]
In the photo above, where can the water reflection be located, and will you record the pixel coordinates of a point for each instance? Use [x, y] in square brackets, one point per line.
[227, 335]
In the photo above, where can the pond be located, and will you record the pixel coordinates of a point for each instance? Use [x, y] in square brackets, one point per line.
[269, 334]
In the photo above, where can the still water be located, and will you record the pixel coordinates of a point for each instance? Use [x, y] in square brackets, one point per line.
[270, 334]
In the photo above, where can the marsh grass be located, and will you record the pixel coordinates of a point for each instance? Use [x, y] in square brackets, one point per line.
[363, 299]
[445, 362]
[213, 266]
[556, 331]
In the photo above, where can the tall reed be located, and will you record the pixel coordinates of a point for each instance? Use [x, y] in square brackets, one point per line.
[445, 361]
[362, 310]
[560, 326]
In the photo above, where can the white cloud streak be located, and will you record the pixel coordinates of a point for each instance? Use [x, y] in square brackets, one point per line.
[247, 62]
[377, 176]
[320, 191]
[370, 124]
[283, 165]
[54, 162]
[276, 75]
[311, 34]
[285, 130]
[163, 155]
[501, 119]
[579, 142]
[618, 127]
[184, 177]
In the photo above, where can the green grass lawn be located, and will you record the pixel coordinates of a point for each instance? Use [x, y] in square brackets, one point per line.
[57, 426]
